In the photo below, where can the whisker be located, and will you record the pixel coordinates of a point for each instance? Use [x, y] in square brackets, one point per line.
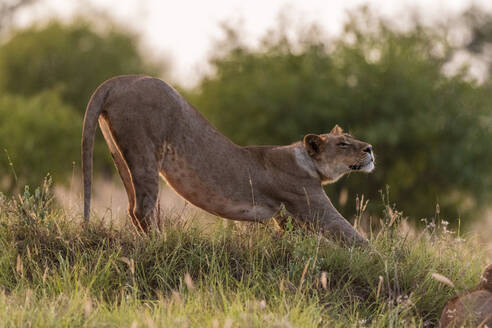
[358, 164]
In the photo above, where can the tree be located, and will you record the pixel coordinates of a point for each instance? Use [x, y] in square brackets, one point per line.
[8, 8]
[47, 74]
[387, 87]
[72, 58]
[38, 135]
[479, 24]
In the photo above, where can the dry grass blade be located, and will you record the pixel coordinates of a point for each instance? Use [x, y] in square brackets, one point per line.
[442, 279]
[45, 274]
[303, 276]
[188, 281]
[380, 285]
[19, 266]
[88, 307]
[130, 263]
[324, 280]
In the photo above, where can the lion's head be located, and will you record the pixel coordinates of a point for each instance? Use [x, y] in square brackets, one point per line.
[337, 153]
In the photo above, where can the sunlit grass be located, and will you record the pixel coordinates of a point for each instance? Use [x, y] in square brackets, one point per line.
[57, 272]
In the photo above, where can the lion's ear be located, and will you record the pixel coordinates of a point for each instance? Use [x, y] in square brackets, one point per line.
[336, 130]
[313, 144]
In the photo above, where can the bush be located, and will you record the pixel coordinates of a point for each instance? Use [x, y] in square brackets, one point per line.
[38, 135]
[66, 63]
[74, 58]
[387, 87]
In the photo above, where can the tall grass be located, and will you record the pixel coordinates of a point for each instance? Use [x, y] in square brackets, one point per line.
[57, 272]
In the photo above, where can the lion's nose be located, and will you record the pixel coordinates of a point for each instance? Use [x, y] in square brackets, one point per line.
[368, 149]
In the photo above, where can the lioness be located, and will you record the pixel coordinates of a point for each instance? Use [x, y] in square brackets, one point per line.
[151, 130]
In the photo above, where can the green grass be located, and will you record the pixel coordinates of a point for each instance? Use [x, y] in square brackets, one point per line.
[57, 272]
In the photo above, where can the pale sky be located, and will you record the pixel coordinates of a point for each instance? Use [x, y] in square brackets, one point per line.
[184, 31]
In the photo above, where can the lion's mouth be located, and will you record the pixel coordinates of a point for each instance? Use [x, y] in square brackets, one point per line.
[366, 166]
[355, 167]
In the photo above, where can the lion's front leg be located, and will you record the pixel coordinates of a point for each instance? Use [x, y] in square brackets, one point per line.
[320, 215]
[335, 225]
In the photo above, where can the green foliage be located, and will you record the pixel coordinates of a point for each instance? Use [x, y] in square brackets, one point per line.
[387, 87]
[73, 58]
[65, 63]
[480, 40]
[56, 272]
[37, 135]
[32, 207]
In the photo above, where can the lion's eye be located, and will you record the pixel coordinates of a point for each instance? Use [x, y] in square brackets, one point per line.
[342, 144]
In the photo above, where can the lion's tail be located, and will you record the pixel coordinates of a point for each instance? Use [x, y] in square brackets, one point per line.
[94, 109]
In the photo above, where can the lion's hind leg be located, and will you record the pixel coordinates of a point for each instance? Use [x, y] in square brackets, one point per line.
[143, 168]
[146, 185]
[121, 166]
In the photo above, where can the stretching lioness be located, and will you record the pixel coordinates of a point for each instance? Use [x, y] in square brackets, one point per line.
[150, 130]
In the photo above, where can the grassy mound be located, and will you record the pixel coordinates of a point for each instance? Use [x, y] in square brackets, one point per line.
[57, 272]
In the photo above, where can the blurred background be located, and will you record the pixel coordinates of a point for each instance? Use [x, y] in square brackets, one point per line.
[410, 77]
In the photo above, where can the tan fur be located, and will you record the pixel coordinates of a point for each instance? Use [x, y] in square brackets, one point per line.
[151, 130]
[473, 309]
